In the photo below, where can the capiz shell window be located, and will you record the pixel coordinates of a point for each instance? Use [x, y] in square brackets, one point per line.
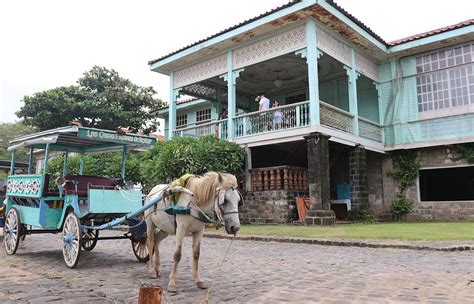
[445, 82]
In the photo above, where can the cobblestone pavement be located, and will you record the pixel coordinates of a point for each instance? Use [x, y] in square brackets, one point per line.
[255, 272]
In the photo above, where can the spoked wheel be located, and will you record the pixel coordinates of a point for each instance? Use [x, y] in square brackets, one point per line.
[89, 239]
[72, 240]
[11, 231]
[141, 250]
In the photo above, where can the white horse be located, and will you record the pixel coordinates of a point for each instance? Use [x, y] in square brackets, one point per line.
[214, 193]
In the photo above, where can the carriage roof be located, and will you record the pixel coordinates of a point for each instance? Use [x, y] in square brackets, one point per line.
[81, 139]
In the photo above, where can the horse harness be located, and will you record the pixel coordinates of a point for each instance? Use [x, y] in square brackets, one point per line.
[216, 218]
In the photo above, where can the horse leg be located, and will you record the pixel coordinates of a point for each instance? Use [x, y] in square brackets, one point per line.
[196, 252]
[150, 243]
[160, 236]
[180, 231]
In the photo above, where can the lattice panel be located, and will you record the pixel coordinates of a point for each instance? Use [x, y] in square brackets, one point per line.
[333, 47]
[201, 90]
[275, 46]
[370, 131]
[337, 119]
[367, 67]
[201, 71]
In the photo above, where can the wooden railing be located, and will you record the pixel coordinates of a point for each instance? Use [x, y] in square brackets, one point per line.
[279, 178]
[334, 117]
[216, 128]
[369, 129]
[285, 117]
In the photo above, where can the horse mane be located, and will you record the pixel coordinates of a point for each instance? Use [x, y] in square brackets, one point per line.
[204, 186]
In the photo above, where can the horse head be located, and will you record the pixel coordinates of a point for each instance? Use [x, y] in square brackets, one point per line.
[228, 201]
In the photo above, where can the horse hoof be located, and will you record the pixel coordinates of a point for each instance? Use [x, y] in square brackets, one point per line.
[153, 275]
[172, 289]
[202, 285]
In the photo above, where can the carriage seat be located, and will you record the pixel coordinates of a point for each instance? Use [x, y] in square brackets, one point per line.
[86, 182]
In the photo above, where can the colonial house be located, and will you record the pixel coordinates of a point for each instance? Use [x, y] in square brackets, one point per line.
[349, 101]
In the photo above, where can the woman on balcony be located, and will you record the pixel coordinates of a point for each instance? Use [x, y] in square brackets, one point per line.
[276, 115]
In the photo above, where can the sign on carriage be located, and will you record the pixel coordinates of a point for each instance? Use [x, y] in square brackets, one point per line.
[115, 137]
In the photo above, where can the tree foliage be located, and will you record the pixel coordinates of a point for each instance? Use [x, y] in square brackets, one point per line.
[9, 131]
[101, 99]
[171, 159]
[100, 164]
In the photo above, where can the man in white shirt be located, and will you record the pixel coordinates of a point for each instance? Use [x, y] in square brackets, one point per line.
[264, 103]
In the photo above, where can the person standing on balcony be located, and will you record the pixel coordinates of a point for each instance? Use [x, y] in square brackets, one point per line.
[263, 104]
[276, 115]
[222, 116]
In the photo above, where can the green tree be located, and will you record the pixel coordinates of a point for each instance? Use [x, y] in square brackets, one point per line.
[101, 99]
[101, 164]
[9, 131]
[173, 158]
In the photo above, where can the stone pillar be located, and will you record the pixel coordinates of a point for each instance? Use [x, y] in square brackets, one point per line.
[358, 177]
[319, 212]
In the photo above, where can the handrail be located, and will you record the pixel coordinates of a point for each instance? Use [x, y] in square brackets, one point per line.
[336, 108]
[272, 109]
[370, 122]
[201, 125]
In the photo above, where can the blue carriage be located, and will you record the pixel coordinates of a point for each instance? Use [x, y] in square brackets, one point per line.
[76, 206]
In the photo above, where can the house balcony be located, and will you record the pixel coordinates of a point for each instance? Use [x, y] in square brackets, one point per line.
[294, 117]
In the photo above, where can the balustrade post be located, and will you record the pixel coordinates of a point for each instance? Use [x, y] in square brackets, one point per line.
[244, 124]
[272, 180]
[265, 180]
[290, 180]
[278, 179]
[254, 181]
[285, 179]
[298, 117]
[259, 180]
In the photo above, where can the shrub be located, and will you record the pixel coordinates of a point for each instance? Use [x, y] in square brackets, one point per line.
[401, 206]
[173, 158]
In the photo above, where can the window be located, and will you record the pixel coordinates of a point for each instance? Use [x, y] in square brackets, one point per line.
[448, 184]
[203, 115]
[445, 79]
[181, 121]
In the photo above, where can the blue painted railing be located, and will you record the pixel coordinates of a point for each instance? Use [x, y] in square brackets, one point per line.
[216, 128]
[274, 119]
[286, 117]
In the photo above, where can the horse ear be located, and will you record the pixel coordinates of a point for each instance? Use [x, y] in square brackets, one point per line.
[220, 178]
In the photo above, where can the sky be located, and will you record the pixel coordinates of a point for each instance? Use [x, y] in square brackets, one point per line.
[51, 43]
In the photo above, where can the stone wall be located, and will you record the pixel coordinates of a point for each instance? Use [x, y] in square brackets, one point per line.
[270, 207]
[439, 211]
[437, 157]
[381, 187]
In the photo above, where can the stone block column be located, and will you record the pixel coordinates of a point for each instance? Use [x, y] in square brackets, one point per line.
[358, 178]
[319, 212]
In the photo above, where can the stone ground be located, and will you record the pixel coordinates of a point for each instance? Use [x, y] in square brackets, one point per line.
[255, 272]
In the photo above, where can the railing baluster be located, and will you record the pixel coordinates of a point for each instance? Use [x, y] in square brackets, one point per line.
[278, 179]
[298, 118]
[265, 180]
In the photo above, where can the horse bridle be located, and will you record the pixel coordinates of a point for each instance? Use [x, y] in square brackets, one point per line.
[218, 206]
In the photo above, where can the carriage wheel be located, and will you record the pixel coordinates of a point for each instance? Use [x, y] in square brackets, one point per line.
[89, 239]
[141, 250]
[72, 240]
[11, 231]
